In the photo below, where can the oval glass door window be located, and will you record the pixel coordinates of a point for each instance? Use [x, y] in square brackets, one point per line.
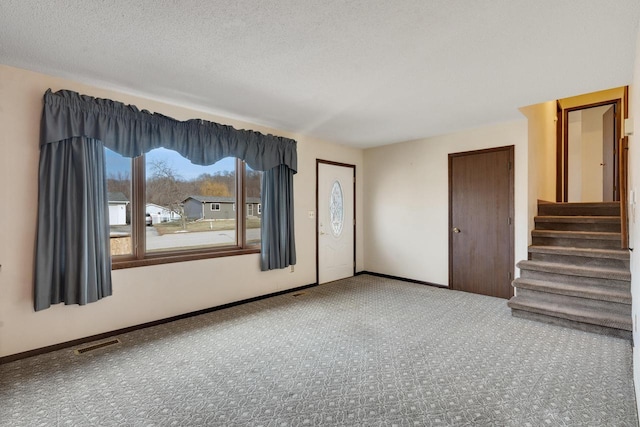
[336, 209]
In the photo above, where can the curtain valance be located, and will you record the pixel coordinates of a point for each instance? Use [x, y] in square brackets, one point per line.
[131, 132]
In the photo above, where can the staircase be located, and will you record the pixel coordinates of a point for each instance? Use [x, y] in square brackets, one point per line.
[576, 275]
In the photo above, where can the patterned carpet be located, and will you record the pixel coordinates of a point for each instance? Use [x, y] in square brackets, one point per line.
[365, 351]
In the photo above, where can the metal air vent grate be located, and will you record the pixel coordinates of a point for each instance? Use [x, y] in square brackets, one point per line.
[97, 346]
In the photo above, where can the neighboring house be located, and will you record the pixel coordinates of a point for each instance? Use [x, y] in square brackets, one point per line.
[216, 207]
[161, 214]
[117, 208]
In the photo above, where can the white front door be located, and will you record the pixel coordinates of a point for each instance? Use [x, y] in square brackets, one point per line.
[335, 222]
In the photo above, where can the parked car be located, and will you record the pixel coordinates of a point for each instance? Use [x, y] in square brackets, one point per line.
[148, 220]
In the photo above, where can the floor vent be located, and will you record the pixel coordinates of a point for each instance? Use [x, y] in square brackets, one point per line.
[297, 294]
[97, 346]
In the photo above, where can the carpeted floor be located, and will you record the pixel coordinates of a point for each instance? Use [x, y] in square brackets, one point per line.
[365, 351]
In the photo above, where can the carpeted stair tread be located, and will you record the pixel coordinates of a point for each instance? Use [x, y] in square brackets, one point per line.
[621, 254]
[580, 209]
[588, 219]
[593, 235]
[579, 314]
[601, 293]
[574, 270]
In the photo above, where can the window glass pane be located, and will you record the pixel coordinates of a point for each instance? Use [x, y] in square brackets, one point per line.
[188, 206]
[253, 189]
[336, 209]
[119, 189]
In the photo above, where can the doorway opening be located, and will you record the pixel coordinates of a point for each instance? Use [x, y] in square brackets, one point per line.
[590, 153]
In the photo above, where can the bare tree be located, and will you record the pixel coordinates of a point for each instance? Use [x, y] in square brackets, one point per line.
[119, 182]
[253, 183]
[166, 188]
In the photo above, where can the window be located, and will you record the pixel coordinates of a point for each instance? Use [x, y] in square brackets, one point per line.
[119, 198]
[259, 209]
[253, 192]
[192, 208]
[68, 149]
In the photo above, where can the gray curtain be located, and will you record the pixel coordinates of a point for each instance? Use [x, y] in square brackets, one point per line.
[132, 132]
[73, 261]
[278, 243]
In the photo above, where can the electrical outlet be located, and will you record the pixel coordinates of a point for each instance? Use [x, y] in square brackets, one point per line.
[292, 268]
[312, 214]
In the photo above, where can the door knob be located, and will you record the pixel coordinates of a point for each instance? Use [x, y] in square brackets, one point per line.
[456, 230]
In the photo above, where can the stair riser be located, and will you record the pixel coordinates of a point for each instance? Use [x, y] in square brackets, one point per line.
[591, 292]
[582, 318]
[571, 301]
[578, 280]
[578, 226]
[576, 243]
[571, 210]
[602, 330]
[582, 261]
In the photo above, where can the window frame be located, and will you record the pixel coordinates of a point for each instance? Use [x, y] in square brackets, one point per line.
[215, 207]
[140, 257]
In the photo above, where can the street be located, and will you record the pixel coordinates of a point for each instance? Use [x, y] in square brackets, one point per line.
[194, 239]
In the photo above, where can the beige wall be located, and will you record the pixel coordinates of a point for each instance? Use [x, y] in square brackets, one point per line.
[406, 200]
[139, 294]
[541, 132]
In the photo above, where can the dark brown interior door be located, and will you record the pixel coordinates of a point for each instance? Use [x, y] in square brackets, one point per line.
[481, 221]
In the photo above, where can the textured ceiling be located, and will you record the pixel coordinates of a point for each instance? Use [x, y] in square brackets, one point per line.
[358, 72]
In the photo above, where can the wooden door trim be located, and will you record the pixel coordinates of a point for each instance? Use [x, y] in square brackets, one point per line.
[562, 146]
[623, 167]
[346, 165]
[559, 132]
[511, 150]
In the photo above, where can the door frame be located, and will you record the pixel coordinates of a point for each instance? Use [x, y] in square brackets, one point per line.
[562, 160]
[346, 165]
[511, 150]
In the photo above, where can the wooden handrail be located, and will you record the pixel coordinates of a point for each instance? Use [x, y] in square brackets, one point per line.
[623, 156]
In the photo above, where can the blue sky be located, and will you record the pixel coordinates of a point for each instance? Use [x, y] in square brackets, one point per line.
[183, 167]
